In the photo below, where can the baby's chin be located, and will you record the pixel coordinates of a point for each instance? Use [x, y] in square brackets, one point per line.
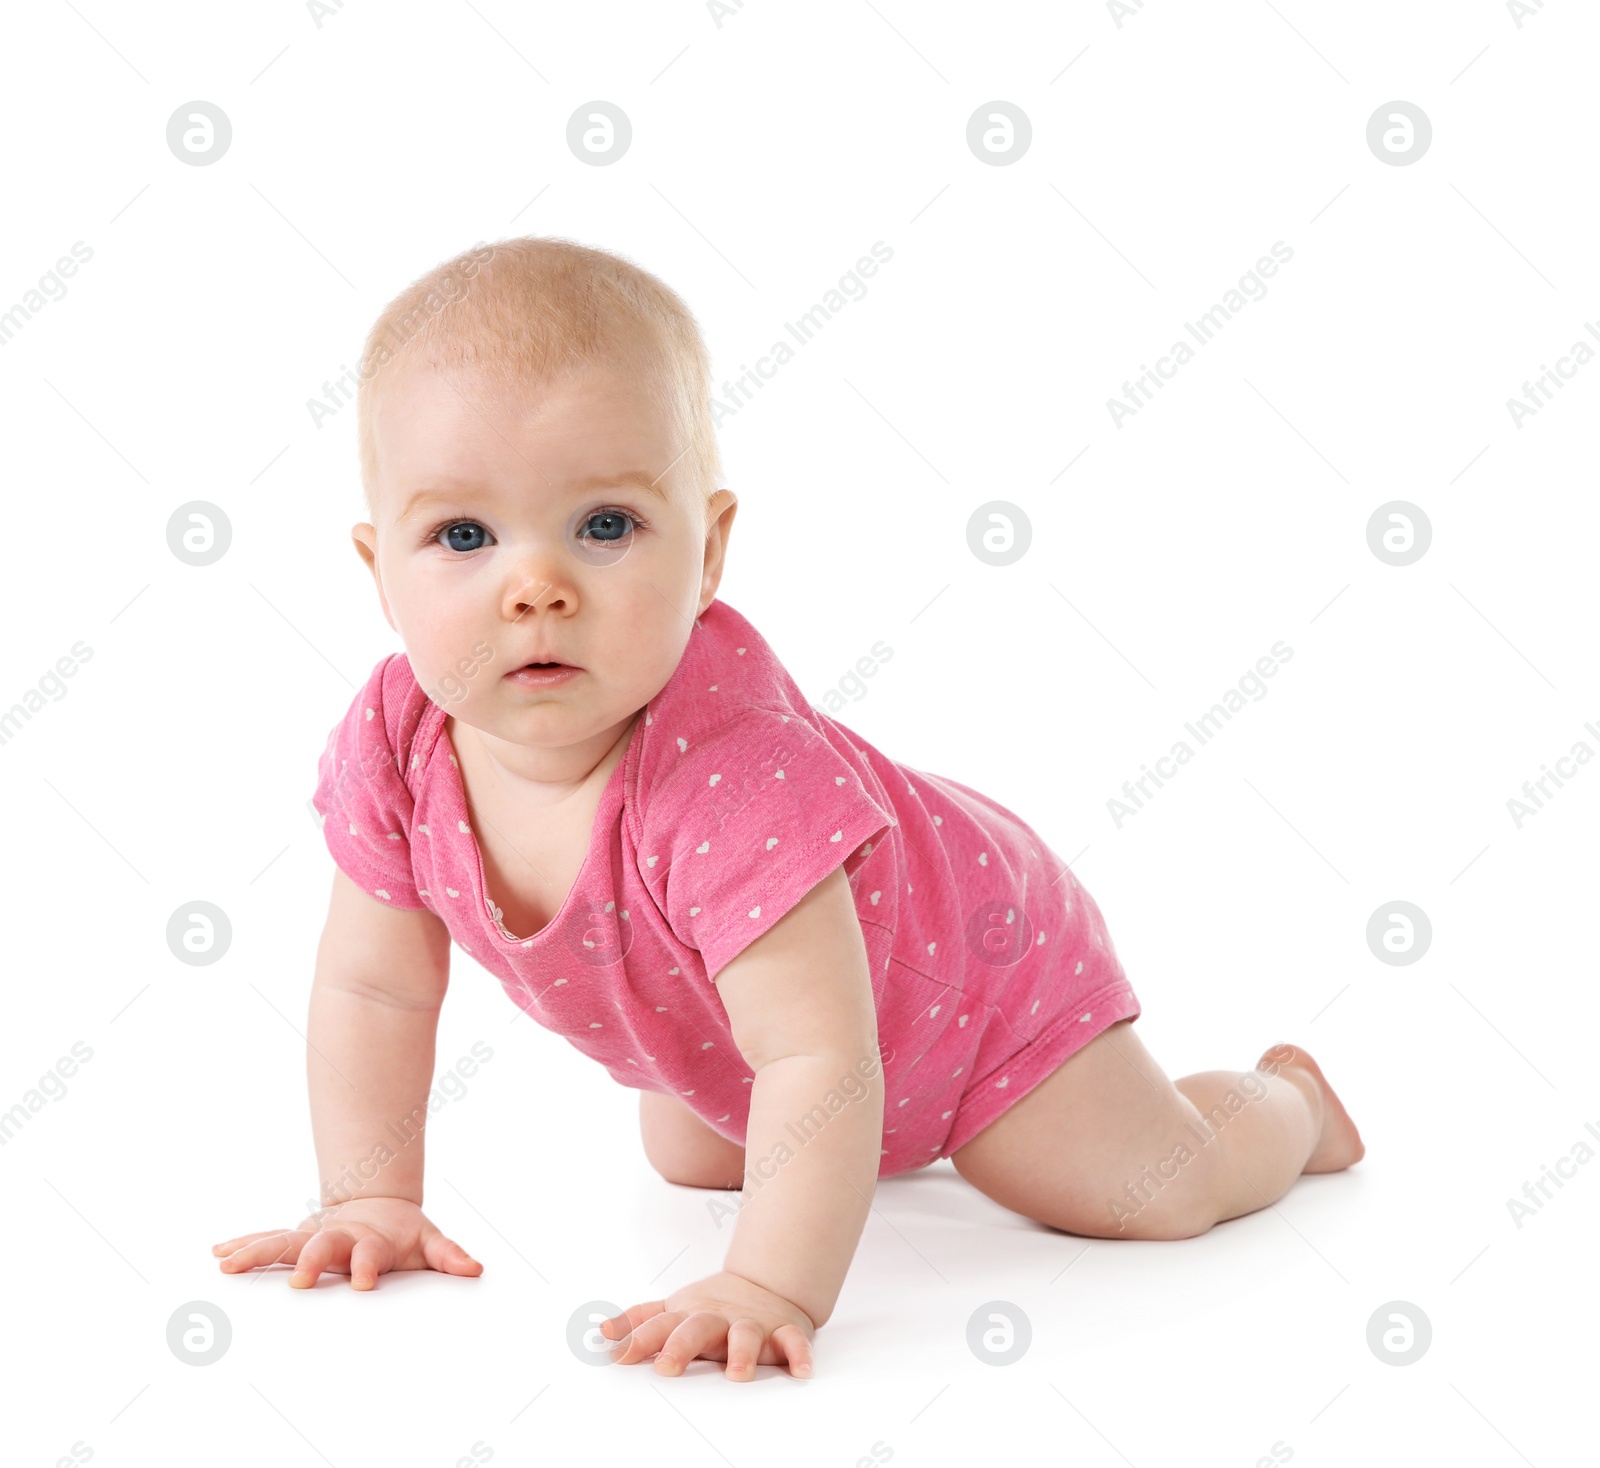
[573, 709]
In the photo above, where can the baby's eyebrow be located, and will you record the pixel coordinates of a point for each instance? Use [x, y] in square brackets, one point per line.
[454, 491]
[651, 482]
[425, 497]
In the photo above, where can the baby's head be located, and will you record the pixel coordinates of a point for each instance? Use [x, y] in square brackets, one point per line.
[540, 468]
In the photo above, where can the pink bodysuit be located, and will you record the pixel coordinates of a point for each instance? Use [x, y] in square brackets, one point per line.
[990, 964]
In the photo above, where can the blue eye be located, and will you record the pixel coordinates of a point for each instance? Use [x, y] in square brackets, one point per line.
[462, 529]
[610, 526]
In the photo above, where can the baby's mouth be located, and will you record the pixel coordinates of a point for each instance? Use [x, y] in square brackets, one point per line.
[544, 668]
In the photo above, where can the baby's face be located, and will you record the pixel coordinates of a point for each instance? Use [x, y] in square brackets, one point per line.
[524, 528]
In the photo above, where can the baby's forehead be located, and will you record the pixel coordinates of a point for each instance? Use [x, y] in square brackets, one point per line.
[447, 425]
[473, 400]
[600, 386]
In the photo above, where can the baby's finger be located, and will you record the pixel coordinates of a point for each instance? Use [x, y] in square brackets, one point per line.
[289, 1250]
[702, 1330]
[631, 1319]
[266, 1249]
[371, 1256]
[233, 1245]
[448, 1257]
[646, 1339]
[745, 1339]
[791, 1340]
[330, 1247]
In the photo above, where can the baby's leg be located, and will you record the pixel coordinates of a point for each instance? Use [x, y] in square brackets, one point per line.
[1108, 1146]
[683, 1149]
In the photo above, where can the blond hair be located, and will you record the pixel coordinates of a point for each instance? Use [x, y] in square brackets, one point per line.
[538, 311]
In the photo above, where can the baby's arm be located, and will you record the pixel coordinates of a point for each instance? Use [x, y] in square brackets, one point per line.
[380, 980]
[799, 1000]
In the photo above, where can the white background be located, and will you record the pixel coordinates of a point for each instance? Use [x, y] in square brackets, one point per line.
[1168, 154]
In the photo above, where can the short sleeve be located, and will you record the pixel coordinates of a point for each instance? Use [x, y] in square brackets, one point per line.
[742, 822]
[365, 806]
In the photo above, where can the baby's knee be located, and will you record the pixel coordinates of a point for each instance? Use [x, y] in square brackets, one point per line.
[683, 1149]
[1114, 1215]
[700, 1176]
[1173, 1216]
[1166, 1201]
[1151, 1205]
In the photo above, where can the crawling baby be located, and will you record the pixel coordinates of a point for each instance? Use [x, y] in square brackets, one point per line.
[817, 966]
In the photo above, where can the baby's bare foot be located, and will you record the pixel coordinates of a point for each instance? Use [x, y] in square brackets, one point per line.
[1340, 1143]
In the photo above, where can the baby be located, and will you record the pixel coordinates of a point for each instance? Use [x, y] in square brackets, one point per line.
[817, 966]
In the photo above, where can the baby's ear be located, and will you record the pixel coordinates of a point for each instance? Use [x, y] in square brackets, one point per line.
[365, 537]
[720, 512]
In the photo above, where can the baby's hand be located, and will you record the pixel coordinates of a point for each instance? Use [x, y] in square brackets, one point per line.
[362, 1238]
[723, 1318]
